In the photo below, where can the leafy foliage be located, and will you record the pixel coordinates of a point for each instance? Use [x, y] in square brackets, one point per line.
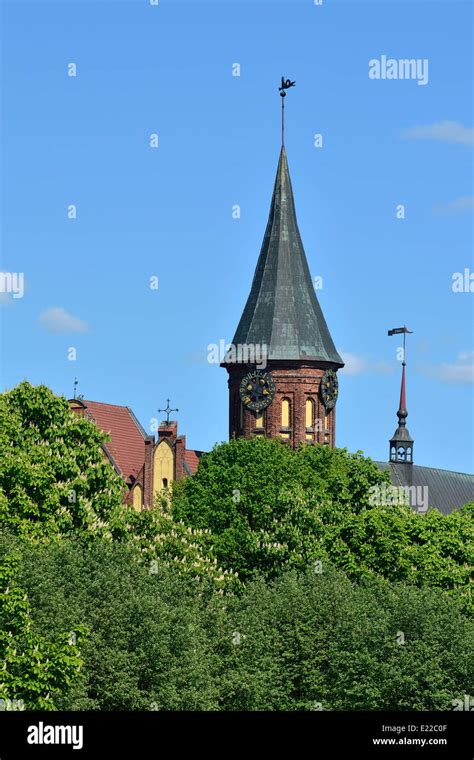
[161, 641]
[54, 478]
[185, 549]
[267, 581]
[35, 670]
[56, 481]
[270, 508]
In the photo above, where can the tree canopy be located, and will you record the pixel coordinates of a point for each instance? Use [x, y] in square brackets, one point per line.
[270, 508]
[268, 581]
[305, 641]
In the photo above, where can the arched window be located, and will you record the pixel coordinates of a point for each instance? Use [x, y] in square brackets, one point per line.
[309, 419]
[327, 428]
[285, 417]
[137, 497]
[259, 420]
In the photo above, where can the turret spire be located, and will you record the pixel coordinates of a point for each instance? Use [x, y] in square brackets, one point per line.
[402, 413]
[401, 444]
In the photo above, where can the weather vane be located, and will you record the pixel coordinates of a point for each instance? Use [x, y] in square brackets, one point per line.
[168, 410]
[76, 382]
[399, 330]
[285, 85]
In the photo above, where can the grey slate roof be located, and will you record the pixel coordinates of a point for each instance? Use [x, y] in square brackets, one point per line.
[282, 310]
[447, 490]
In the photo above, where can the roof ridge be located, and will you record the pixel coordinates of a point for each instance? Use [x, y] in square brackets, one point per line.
[425, 467]
[443, 469]
[103, 403]
[137, 422]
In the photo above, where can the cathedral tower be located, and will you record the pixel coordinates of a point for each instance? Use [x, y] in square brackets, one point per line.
[282, 363]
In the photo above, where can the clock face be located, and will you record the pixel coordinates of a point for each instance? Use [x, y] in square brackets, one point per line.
[257, 390]
[329, 389]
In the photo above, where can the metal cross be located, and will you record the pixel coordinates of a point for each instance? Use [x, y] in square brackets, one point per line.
[168, 410]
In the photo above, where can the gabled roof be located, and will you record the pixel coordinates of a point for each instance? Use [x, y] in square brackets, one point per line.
[447, 490]
[191, 460]
[127, 444]
[282, 310]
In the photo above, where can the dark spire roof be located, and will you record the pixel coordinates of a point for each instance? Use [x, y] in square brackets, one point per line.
[401, 443]
[282, 310]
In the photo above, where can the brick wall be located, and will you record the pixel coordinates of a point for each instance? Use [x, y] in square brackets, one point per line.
[296, 382]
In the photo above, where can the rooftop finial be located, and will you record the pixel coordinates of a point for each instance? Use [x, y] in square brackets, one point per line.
[76, 382]
[285, 85]
[168, 410]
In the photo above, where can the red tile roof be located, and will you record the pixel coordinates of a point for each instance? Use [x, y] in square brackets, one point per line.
[191, 460]
[127, 444]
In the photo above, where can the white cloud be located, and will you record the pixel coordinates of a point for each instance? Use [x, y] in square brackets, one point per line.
[58, 320]
[384, 368]
[357, 365]
[465, 203]
[458, 372]
[443, 131]
[354, 365]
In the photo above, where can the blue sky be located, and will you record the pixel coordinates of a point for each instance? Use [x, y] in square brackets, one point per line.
[167, 211]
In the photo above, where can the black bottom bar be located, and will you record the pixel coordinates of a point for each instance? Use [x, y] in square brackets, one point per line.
[321, 734]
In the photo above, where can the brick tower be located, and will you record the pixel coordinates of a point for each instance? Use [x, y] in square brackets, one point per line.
[282, 363]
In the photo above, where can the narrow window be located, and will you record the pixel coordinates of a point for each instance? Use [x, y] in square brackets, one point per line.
[285, 413]
[309, 419]
[285, 417]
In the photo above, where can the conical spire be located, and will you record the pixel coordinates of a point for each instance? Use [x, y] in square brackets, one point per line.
[282, 310]
[401, 444]
[402, 413]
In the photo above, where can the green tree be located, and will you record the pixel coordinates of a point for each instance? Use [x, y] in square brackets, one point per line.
[159, 640]
[54, 478]
[147, 647]
[55, 481]
[34, 670]
[270, 508]
[319, 641]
